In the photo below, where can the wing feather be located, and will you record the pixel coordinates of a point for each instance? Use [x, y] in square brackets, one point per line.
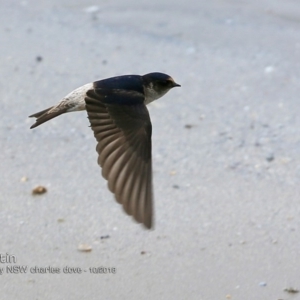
[123, 133]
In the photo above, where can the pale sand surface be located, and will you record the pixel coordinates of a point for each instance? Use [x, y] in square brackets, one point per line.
[227, 192]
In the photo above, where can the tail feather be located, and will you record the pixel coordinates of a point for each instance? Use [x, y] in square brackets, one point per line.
[74, 101]
[40, 113]
[46, 115]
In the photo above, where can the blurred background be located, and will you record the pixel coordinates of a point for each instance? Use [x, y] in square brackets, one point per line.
[225, 150]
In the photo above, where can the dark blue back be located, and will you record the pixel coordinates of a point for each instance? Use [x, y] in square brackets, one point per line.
[125, 82]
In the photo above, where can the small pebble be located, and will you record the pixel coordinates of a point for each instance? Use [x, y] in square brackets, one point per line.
[39, 190]
[262, 284]
[291, 290]
[104, 237]
[24, 179]
[270, 158]
[39, 58]
[84, 248]
[91, 9]
[188, 126]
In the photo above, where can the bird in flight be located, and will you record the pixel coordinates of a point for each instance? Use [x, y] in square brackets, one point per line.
[120, 120]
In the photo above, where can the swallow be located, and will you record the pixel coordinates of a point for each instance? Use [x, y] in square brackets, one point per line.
[119, 118]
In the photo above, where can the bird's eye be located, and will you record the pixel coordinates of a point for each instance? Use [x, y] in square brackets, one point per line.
[165, 82]
[169, 82]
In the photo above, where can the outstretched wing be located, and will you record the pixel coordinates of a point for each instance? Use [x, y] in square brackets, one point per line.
[123, 132]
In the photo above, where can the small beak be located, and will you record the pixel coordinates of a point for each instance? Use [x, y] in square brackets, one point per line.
[176, 84]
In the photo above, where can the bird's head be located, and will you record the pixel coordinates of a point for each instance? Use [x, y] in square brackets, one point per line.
[157, 84]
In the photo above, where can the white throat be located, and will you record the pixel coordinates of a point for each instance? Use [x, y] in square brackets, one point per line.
[151, 94]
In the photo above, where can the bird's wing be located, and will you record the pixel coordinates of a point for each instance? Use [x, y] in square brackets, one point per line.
[123, 133]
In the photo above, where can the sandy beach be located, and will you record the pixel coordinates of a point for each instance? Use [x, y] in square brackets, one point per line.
[226, 151]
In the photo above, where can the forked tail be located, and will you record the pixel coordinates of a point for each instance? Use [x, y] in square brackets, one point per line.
[46, 115]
